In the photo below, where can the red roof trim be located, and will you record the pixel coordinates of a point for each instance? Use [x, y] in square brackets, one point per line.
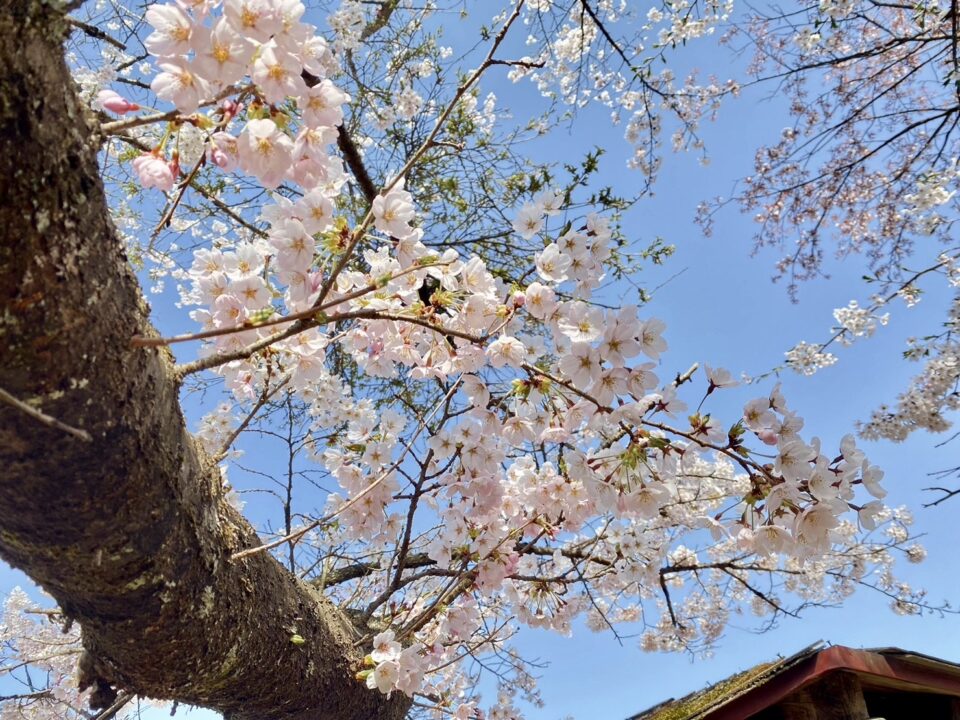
[922, 676]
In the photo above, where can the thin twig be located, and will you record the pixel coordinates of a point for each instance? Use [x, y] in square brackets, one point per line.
[95, 32]
[221, 205]
[122, 699]
[38, 695]
[294, 537]
[419, 152]
[264, 398]
[313, 312]
[947, 494]
[41, 417]
[117, 126]
[182, 189]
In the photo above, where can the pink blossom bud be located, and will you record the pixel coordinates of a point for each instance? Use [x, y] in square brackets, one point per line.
[114, 102]
[154, 171]
[219, 158]
[519, 299]
[768, 436]
[231, 108]
[223, 151]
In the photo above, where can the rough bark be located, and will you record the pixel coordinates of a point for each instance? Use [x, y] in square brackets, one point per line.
[129, 532]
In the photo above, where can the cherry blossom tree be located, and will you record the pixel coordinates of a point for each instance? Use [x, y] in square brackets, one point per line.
[379, 283]
[865, 165]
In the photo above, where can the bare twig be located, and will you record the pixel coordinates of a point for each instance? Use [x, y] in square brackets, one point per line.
[294, 537]
[184, 184]
[264, 398]
[38, 695]
[122, 699]
[419, 152]
[95, 32]
[947, 494]
[220, 204]
[313, 312]
[41, 417]
[117, 126]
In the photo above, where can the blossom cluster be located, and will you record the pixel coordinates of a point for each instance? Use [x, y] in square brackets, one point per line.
[532, 366]
[931, 396]
[807, 358]
[925, 207]
[540, 465]
[203, 56]
[856, 322]
[573, 65]
[31, 635]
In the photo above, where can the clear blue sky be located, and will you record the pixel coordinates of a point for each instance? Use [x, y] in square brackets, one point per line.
[724, 310]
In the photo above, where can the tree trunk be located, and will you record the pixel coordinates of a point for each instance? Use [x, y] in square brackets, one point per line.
[129, 531]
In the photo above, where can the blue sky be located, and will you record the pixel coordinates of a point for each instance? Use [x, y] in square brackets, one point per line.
[723, 309]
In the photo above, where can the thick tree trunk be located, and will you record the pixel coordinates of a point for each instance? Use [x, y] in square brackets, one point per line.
[130, 531]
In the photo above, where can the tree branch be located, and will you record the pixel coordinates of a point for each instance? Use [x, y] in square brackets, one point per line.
[130, 533]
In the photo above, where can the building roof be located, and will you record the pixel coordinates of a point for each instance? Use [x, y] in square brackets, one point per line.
[748, 692]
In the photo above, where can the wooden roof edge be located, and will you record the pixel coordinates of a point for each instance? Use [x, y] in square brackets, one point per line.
[728, 688]
[902, 671]
[763, 685]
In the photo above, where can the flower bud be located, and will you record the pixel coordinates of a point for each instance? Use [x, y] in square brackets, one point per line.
[114, 102]
[154, 172]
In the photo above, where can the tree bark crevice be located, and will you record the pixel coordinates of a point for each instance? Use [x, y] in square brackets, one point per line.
[130, 533]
